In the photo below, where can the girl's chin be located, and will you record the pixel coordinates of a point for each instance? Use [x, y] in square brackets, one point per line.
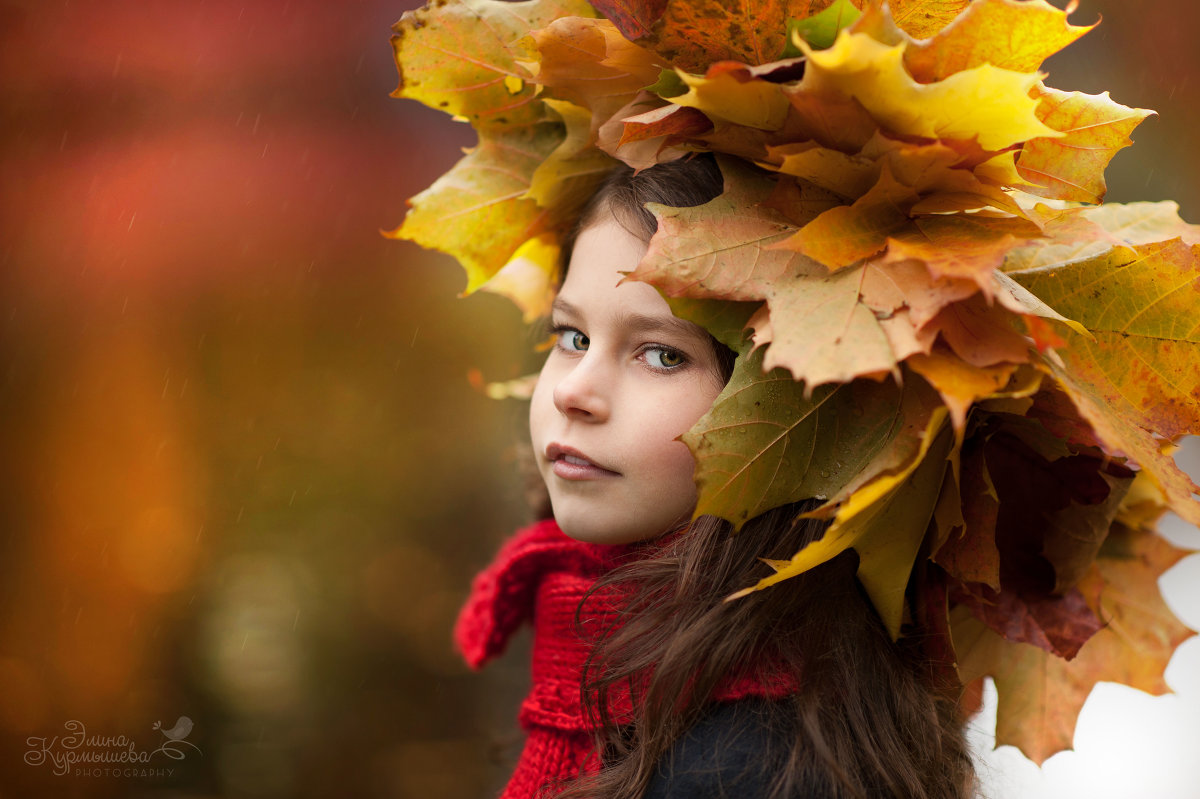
[594, 531]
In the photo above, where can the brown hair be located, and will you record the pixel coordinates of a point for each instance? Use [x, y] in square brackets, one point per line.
[867, 721]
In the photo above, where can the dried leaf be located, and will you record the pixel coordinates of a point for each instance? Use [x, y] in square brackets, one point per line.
[959, 383]
[924, 18]
[1004, 33]
[477, 211]
[765, 444]
[589, 63]
[1040, 695]
[884, 522]
[972, 556]
[846, 234]
[451, 62]
[717, 250]
[985, 103]
[821, 331]
[1061, 625]
[1071, 167]
[729, 92]
[692, 34]
[633, 18]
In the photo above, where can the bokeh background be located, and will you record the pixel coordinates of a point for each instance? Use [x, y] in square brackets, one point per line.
[246, 479]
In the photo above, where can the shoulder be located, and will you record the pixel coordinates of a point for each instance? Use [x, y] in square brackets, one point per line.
[735, 750]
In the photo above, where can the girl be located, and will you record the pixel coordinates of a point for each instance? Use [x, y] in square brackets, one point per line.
[646, 682]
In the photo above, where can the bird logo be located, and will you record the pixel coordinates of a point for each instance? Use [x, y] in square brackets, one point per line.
[177, 733]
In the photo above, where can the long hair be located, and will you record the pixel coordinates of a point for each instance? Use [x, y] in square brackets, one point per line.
[868, 719]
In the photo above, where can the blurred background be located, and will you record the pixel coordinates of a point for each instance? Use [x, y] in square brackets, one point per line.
[246, 478]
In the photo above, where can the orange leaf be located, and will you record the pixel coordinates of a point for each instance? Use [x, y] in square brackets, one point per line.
[980, 334]
[693, 34]
[961, 245]
[589, 63]
[821, 331]
[1072, 167]
[1040, 695]
[668, 122]
[844, 235]
[960, 383]
[972, 556]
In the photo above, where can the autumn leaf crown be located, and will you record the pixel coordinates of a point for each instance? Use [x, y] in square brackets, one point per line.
[943, 334]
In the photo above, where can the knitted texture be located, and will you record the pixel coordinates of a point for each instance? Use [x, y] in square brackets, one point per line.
[541, 575]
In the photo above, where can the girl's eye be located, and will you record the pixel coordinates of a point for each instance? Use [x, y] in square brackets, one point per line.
[571, 340]
[663, 358]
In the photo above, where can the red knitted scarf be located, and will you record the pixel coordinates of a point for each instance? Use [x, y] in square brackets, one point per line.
[542, 575]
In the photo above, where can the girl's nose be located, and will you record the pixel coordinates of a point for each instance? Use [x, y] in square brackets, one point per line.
[582, 393]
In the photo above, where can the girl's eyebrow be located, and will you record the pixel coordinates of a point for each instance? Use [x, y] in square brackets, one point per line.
[641, 323]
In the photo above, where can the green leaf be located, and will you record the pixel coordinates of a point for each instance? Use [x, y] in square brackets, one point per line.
[820, 30]
[765, 444]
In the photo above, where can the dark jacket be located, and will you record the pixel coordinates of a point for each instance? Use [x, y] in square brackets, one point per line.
[733, 752]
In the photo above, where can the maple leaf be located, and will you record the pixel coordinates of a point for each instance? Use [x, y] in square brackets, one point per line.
[477, 211]
[633, 18]
[924, 18]
[448, 60]
[1060, 625]
[1008, 34]
[820, 330]
[528, 277]
[959, 383]
[1040, 694]
[1137, 373]
[1071, 167]
[846, 234]
[670, 121]
[884, 521]
[729, 92]
[961, 245]
[693, 34]
[971, 555]
[589, 63]
[765, 443]
[574, 170]
[985, 103]
[717, 250]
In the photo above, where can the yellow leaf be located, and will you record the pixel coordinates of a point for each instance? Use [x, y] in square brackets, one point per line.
[448, 60]
[728, 92]
[574, 170]
[985, 103]
[1011, 34]
[1071, 165]
[528, 279]
[477, 211]
[924, 18]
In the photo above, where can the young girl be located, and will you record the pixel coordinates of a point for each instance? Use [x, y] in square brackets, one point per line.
[646, 681]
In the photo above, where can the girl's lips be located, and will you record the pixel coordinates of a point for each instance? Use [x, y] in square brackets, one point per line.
[571, 464]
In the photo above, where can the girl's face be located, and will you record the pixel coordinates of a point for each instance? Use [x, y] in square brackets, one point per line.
[624, 380]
